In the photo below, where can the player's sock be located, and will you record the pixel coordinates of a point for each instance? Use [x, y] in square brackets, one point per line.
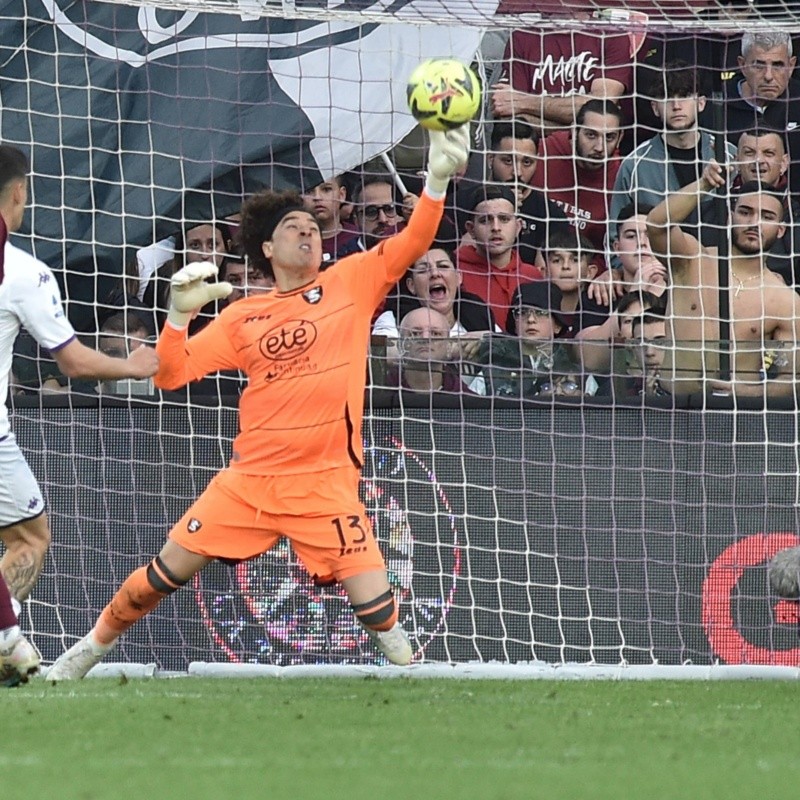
[379, 614]
[141, 592]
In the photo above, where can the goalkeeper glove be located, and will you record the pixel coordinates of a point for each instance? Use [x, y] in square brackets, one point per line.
[190, 291]
[447, 154]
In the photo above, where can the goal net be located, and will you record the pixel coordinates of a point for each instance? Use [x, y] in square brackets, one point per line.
[591, 501]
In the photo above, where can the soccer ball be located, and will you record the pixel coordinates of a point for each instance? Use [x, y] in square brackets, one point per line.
[443, 93]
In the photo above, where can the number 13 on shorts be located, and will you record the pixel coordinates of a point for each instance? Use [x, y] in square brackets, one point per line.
[353, 533]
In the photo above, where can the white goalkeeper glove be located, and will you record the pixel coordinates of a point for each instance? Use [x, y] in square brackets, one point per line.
[190, 291]
[447, 154]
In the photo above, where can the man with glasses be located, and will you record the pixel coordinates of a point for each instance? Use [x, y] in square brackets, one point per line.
[376, 211]
[490, 263]
[764, 94]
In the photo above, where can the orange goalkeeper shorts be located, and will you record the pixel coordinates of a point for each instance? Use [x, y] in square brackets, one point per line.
[241, 516]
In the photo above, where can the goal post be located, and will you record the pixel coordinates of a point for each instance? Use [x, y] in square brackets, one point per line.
[607, 535]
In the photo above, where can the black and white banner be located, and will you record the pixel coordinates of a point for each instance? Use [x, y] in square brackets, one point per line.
[137, 118]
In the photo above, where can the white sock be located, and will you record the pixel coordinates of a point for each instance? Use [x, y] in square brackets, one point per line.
[9, 635]
[17, 606]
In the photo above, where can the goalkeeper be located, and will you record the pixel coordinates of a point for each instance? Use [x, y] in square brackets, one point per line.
[296, 461]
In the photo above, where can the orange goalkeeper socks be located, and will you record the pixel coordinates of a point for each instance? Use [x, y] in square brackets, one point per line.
[135, 598]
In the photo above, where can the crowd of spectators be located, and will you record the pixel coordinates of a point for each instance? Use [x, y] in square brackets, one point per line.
[628, 229]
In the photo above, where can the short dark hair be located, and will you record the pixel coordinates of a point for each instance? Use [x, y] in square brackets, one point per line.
[13, 165]
[757, 187]
[567, 238]
[678, 79]
[654, 303]
[490, 192]
[124, 323]
[632, 210]
[513, 130]
[226, 264]
[257, 225]
[647, 318]
[598, 105]
[757, 133]
[356, 189]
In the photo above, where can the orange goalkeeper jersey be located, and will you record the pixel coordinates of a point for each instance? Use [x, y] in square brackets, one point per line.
[305, 355]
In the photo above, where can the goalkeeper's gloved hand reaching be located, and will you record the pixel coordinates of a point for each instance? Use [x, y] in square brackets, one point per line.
[447, 155]
[190, 291]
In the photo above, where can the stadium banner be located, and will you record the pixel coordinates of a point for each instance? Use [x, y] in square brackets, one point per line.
[510, 536]
[138, 118]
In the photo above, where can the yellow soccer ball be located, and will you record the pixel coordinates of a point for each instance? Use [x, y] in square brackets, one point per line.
[443, 93]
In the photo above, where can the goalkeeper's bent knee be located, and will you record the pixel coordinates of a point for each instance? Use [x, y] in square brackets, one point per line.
[161, 578]
[379, 614]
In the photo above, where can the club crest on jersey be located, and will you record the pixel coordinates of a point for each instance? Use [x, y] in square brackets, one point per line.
[313, 296]
[194, 525]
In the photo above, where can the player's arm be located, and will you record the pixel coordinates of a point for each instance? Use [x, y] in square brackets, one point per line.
[182, 360]
[76, 360]
[448, 153]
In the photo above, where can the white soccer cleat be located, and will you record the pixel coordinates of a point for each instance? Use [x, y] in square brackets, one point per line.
[19, 660]
[394, 644]
[78, 660]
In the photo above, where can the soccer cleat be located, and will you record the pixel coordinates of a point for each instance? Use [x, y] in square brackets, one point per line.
[78, 660]
[18, 661]
[394, 644]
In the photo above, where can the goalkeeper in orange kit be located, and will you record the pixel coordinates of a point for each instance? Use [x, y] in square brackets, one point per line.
[297, 459]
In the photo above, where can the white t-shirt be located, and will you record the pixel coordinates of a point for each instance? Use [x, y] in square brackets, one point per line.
[29, 297]
[150, 258]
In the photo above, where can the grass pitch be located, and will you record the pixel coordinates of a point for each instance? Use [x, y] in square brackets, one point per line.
[384, 739]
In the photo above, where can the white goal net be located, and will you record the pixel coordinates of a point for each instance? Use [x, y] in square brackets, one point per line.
[607, 499]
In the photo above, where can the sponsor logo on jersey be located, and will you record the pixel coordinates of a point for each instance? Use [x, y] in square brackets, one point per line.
[313, 296]
[194, 525]
[289, 340]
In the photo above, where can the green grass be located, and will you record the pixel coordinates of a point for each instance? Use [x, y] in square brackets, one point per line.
[384, 739]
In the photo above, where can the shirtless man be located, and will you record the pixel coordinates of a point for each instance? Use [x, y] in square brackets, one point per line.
[764, 312]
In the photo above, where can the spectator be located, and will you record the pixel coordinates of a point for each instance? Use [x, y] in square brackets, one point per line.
[512, 160]
[640, 269]
[598, 346]
[549, 75]
[490, 264]
[764, 93]
[513, 365]
[122, 333]
[119, 336]
[674, 158]
[568, 265]
[761, 157]
[205, 242]
[339, 238]
[649, 346]
[579, 168]
[245, 279]
[711, 53]
[376, 214]
[426, 363]
[764, 312]
[435, 282]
